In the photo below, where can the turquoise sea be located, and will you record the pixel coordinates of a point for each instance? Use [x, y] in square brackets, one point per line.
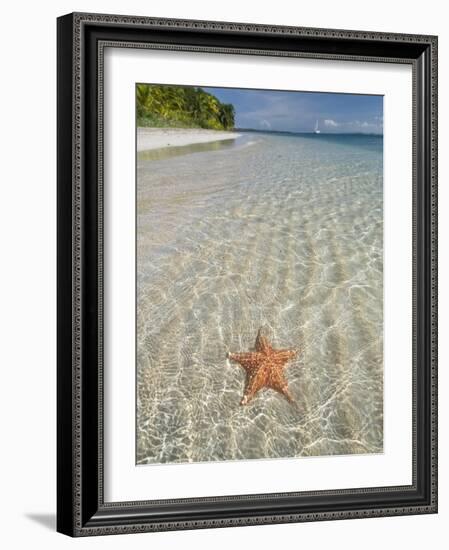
[279, 231]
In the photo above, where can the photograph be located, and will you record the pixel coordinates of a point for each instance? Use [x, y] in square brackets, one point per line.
[247, 272]
[259, 274]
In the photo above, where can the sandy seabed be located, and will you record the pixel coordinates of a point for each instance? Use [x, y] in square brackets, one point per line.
[280, 232]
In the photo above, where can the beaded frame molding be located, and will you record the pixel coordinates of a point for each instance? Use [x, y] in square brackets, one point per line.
[82, 37]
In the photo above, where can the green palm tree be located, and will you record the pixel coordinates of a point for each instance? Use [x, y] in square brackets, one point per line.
[227, 115]
[181, 105]
[142, 98]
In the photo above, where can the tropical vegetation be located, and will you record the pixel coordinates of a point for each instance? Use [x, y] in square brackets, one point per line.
[181, 107]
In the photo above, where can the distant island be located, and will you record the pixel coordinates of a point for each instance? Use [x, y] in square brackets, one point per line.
[181, 107]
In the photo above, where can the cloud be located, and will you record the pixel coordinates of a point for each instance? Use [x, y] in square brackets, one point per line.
[365, 126]
[374, 126]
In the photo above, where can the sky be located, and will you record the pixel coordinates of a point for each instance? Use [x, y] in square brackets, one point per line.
[299, 111]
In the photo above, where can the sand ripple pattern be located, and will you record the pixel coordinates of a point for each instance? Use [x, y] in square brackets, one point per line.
[283, 232]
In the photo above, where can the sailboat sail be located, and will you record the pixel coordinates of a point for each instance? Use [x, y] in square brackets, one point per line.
[316, 131]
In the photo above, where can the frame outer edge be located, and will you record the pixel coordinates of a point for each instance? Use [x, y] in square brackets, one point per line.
[434, 270]
[77, 276]
[258, 28]
[65, 270]
[69, 519]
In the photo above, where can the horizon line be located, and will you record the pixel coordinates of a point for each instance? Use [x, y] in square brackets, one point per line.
[311, 132]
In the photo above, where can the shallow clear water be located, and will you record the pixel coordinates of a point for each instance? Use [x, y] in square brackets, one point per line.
[277, 231]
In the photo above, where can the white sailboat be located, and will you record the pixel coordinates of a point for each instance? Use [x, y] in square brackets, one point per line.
[316, 131]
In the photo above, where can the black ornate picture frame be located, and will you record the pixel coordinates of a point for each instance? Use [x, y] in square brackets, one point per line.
[81, 508]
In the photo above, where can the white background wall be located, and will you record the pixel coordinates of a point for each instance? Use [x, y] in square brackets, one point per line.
[27, 273]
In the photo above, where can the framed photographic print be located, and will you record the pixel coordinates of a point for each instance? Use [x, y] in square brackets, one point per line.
[247, 281]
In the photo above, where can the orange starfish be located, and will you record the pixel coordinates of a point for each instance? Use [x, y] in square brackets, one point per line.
[264, 368]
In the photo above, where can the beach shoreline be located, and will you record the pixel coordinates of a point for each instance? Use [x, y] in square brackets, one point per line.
[158, 138]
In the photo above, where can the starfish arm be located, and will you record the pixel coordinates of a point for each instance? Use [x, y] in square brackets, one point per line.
[248, 361]
[254, 382]
[287, 394]
[262, 343]
[279, 383]
[284, 355]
